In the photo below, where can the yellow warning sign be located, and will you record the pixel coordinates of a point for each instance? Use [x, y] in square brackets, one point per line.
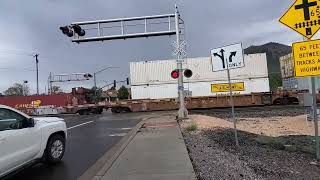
[304, 17]
[306, 57]
[225, 87]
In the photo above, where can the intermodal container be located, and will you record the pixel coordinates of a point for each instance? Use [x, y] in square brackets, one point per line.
[31, 102]
[197, 89]
[159, 72]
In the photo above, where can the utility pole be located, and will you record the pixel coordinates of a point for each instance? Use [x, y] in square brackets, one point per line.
[37, 69]
[183, 113]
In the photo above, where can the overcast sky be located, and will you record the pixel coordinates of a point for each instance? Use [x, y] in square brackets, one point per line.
[32, 26]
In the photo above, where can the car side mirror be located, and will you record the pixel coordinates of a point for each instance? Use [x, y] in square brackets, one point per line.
[31, 122]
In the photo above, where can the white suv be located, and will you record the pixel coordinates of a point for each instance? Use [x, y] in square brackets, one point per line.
[25, 140]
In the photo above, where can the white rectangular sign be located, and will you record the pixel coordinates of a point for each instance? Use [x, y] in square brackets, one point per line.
[231, 56]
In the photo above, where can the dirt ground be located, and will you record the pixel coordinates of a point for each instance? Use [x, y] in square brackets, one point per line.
[271, 126]
[278, 147]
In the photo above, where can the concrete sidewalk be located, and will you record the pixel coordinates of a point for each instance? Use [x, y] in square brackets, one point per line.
[157, 152]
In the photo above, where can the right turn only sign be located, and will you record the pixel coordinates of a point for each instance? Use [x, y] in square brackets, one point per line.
[306, 58]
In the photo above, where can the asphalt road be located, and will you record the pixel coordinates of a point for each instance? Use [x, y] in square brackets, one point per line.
[89, 137]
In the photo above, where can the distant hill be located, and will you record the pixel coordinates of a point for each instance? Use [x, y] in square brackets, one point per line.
[274, 51]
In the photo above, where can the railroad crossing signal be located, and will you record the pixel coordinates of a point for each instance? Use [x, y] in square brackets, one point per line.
[175, 74]
[187, 73]
[303, 17]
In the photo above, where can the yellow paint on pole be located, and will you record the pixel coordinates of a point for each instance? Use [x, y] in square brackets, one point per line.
[225, 87]
[306, 57]
[303, 17]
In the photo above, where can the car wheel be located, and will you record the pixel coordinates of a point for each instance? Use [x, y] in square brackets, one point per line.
[55, 149]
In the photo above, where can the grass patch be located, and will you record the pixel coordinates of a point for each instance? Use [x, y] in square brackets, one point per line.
[192, 126]
[304, 144]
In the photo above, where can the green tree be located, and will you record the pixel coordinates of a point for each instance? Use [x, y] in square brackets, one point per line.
[123, 93]
[17, 90]
[275, 81]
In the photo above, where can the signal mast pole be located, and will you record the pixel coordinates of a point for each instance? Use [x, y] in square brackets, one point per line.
[79, 36]
[182, 113]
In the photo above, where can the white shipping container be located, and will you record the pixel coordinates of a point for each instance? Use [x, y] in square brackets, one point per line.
[286, 66]
[198, 89]
[158, 72]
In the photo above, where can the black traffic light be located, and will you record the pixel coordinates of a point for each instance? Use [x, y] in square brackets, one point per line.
[87, 76]
[175, 74]
[77, 29]
[67, 30]
[187, 73]
[128, 83]
[114, 83]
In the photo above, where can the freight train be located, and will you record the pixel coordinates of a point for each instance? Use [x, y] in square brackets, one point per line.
[76, 103]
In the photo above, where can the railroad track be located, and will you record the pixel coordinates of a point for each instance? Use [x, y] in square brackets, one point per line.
[255, 111]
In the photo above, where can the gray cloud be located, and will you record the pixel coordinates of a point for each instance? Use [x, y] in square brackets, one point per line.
[32, 26]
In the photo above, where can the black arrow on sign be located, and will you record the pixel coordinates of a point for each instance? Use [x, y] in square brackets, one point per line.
[221, 57]
[232, 54]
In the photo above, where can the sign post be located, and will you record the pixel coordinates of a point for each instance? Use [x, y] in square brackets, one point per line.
[226, 58]
[232, 108]
[315, 116]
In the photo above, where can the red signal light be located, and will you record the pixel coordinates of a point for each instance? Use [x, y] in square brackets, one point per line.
[175, 74]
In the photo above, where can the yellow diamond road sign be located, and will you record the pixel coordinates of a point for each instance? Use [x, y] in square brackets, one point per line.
[306, 57]
[304, 17]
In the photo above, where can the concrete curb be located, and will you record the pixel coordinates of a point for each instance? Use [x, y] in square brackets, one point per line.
[104, 163]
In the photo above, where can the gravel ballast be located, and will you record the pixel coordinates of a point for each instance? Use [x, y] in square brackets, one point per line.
[214, 156]
[252, 112]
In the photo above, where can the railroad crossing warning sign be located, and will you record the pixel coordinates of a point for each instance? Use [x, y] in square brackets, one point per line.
[239, 86]
[306, 57]
[304, 17]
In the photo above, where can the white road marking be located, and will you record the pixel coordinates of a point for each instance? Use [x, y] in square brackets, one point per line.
[80, 125]
[126, 128]
[119, 134]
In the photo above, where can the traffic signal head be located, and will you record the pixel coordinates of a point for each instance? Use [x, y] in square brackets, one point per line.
[77, 29]
[175, 74]
[114, 83]
[187, 73]
[87, 76]
[67, 30]
[128, 83]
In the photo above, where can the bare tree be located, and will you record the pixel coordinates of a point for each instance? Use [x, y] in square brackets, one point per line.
[17, 90]
[56, 90]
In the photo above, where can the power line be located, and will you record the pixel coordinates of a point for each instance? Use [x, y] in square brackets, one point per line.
[16, 52]
[19, 69]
